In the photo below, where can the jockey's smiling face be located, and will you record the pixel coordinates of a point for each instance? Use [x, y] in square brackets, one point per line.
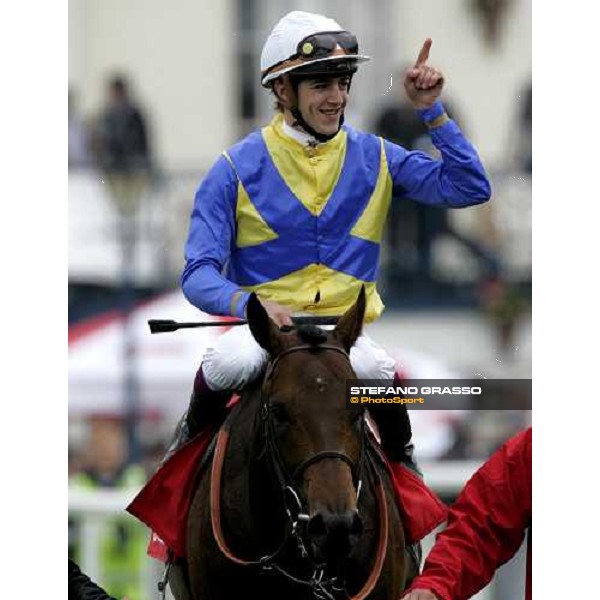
[322, 101]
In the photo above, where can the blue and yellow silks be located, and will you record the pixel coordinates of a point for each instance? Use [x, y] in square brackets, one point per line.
[297, 224]
[312, 234]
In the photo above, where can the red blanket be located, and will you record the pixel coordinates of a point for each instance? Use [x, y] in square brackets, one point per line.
[164, 502]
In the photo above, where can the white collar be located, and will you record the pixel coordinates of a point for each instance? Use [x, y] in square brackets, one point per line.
[300, 136]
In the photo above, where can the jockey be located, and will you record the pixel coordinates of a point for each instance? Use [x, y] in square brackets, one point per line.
[295, 212]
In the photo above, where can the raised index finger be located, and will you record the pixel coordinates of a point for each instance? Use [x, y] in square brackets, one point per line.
[424, 54]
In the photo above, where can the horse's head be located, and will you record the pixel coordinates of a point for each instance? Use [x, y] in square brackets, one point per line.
[313, 433]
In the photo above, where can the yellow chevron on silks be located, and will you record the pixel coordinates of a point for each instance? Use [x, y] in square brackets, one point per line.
[251, 228]
[311, 174]
[371, 223]
[337, 292]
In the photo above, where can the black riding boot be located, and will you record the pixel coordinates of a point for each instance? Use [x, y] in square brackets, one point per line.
[395, 433]
[206, 408]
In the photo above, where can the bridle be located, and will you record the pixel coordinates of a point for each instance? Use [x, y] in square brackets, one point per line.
[288, 481]
[322, 587]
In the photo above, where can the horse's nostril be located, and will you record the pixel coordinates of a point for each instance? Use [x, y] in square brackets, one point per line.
[316, 526]
[321, 525]
[334, 535]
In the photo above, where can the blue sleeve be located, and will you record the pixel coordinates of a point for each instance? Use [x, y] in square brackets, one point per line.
[208, 247]
[457, 180]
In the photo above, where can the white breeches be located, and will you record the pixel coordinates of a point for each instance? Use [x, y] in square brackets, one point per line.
[237, 359]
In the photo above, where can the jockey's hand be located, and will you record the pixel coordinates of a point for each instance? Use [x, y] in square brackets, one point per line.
[423, 84]
[279, 314]
[420, 595]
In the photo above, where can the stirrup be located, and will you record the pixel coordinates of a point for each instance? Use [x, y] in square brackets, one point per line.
[162, 584]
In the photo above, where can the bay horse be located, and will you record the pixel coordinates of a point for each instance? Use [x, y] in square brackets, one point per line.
[297, 504]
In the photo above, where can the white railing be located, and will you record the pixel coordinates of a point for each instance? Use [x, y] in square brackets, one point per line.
[93, 507]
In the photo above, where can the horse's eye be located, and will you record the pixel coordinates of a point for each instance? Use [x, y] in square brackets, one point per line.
[280, 413]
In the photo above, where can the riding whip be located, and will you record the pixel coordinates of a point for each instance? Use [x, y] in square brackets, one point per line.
[166, 325]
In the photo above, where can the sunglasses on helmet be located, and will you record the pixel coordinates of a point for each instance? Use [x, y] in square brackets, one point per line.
[320, 45]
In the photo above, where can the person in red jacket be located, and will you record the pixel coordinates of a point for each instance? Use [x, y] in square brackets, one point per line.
[486, 526]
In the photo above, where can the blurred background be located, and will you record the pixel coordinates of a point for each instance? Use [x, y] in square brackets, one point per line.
[156, 92]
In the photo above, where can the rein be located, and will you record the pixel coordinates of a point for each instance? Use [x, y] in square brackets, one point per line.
[318, 584]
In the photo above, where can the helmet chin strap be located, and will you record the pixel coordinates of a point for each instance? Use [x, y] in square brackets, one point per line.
[320, 137]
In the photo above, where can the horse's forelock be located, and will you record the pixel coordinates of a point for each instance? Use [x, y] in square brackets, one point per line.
[312, 335]
[312, 363]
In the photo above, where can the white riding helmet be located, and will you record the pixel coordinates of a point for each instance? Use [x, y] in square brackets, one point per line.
[300, 39]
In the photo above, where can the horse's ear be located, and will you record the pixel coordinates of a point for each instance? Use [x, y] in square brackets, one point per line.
[263, 329]
[350, 324]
